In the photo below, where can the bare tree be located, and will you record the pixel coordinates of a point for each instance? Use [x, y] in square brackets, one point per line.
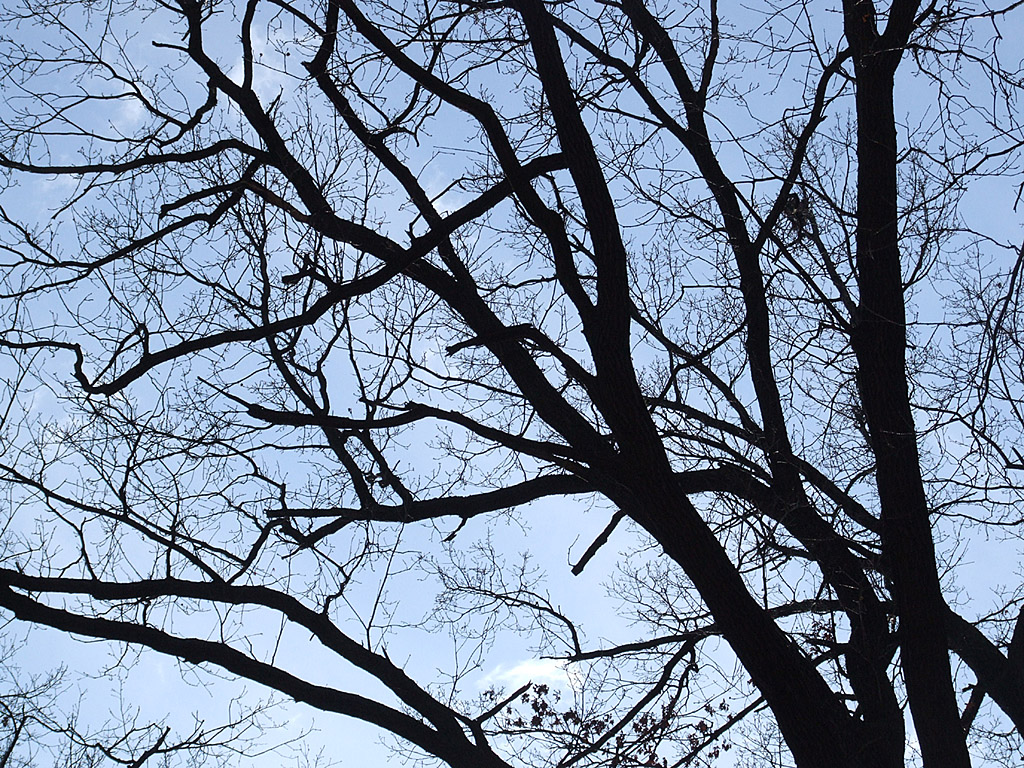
[301, 299]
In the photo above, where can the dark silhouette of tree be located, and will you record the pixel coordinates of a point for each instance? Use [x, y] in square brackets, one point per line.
[301, 297]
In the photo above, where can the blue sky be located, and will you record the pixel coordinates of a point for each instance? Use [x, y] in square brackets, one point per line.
[550, 531]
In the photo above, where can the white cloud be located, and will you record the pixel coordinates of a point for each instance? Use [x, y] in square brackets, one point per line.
[550, 671]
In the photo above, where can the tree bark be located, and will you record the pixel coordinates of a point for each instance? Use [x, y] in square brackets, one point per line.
[879, 340]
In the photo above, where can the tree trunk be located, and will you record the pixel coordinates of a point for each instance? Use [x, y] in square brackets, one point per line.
[879, 340]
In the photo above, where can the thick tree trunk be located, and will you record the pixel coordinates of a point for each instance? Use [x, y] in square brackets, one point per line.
[815, 724]
[879, 341]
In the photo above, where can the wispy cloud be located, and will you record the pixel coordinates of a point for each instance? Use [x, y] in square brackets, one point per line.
[550, 671]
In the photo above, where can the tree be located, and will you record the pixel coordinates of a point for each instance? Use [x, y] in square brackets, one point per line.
[318, 279]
